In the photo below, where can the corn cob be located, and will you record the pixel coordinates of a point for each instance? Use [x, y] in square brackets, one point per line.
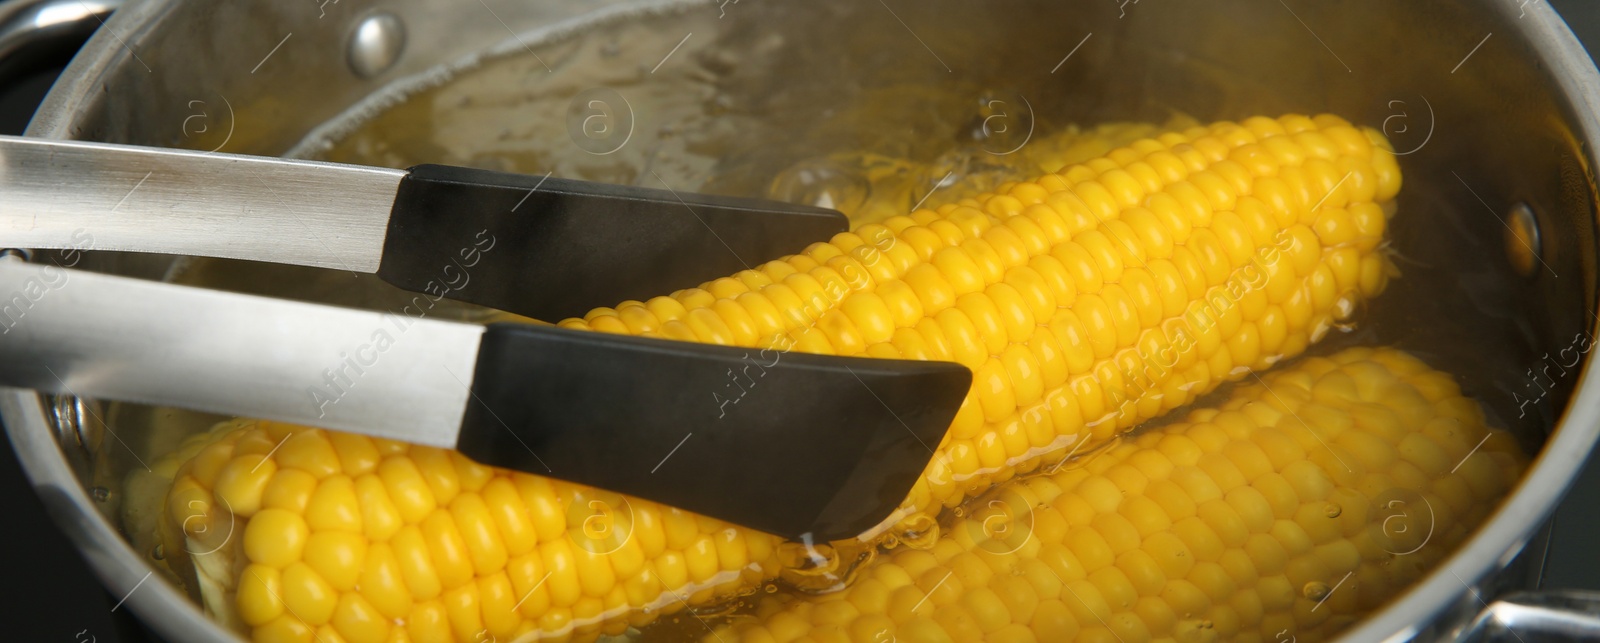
[1287, 513]
[311, 535]
[1084, 302]
[1146, 307]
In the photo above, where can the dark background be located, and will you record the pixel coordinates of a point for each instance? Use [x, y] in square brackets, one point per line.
[49, 594]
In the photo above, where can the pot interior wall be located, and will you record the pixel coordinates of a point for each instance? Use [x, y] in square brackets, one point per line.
[1482, 129]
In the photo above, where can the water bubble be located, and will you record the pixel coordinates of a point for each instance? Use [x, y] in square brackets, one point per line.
[771, 588]
[720, 104]
[100, 494]
[963, 172]
[1003, 122]
[920, 531]
[865, 558]
[1316, 590]
[825, 183]
[1332, 510]
[1192, 630]
[808, 559]
[1348, 306]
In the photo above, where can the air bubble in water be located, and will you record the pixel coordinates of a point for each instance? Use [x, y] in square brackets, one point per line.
[823, 183]
[1192, 630]
[919, 531]
[1315, 590]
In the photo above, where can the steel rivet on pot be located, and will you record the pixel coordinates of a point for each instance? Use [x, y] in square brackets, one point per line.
[1522, 239]
[68, 416]
[73, 428]
[376, 43]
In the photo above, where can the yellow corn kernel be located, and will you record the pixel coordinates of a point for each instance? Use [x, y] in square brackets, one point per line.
[337, 557]
[410, 495]
[382, 583]
[260, 595]
[380, 519]
[275, 537]
[306, 595]
[334, 506]
[309, 452]
[357, 621]
[284, 629]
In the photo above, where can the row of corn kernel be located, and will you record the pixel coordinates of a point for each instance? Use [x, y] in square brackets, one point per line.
[657, 315]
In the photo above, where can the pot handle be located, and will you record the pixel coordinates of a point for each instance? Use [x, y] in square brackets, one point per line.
[1545, 616]
[38, 34]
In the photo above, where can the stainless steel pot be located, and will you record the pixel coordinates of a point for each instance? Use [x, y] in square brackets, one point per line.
[1492, 103]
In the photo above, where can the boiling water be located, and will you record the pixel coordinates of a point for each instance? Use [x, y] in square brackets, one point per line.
[687, 100]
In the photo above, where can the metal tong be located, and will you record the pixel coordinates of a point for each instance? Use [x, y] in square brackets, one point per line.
[817, 447]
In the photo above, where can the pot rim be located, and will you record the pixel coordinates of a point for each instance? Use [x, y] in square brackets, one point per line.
[166, 610]
[124, 572]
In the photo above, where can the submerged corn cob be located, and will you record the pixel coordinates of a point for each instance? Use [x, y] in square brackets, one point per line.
[1085, 302]
[1299, 505]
